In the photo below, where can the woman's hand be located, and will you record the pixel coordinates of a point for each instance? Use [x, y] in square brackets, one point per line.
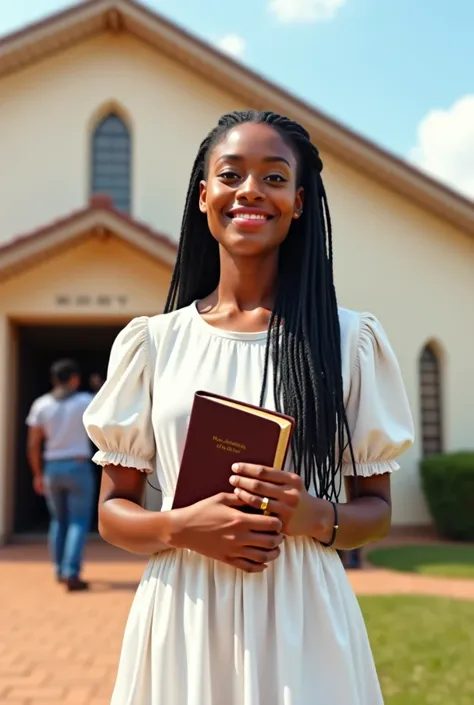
[217, 529]
[287, 496]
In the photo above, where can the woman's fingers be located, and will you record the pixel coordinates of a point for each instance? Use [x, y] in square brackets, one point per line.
[253, 559]
[259, 522]
[260, 472]
[265, 541]
[247, 566]
[281, 498]
[259, 487]
[258, 555]
[273, 506]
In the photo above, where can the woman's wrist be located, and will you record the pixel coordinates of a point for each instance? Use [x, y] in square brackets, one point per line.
[129, 526]
[323, 520]
[172, 528]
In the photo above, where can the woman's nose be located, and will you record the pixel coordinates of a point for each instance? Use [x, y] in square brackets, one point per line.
[250, 189]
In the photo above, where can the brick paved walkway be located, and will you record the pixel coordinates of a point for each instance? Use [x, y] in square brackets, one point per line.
[58, 647]
[63, 648]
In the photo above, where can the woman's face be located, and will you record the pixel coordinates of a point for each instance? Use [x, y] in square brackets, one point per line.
[251, 196]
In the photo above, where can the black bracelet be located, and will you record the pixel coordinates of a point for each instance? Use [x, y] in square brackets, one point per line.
[334, 528]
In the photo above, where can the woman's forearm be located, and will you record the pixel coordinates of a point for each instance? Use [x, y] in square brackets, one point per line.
[127, 525]
[360, 521]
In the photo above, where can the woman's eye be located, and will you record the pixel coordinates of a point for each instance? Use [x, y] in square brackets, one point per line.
[232, 175]
[276, 178]
[228, 175]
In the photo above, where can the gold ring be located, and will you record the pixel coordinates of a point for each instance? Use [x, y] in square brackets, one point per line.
[264, 504]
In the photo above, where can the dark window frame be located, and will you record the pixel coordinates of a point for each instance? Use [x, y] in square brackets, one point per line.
[111, 160]
[431, 401]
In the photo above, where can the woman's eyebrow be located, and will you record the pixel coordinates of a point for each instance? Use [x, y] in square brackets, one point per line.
[240, 158]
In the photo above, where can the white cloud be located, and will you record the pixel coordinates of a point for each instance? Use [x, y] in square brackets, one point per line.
[445, 146]
[304, 10]
[232, 44]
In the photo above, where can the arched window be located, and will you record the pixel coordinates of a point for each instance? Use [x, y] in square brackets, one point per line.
[111, 160]
[430, 401]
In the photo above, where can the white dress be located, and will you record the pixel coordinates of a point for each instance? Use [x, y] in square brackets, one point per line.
[199, 631]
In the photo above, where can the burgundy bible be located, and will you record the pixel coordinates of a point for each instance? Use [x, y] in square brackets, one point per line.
[224, 431]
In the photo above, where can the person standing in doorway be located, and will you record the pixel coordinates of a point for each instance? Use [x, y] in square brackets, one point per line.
[59, 453]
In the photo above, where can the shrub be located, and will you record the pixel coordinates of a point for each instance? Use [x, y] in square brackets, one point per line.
[448, 484]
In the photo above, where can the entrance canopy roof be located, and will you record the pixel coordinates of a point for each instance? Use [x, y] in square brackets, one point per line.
[98, 219]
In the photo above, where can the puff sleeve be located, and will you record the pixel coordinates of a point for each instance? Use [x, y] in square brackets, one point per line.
[377, 409]
[118, 420]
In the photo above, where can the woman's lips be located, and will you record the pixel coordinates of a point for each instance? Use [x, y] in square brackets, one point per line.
[249, 217]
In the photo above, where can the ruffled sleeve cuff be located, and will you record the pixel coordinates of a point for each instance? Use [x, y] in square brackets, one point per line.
[110, 457]
[369, 469]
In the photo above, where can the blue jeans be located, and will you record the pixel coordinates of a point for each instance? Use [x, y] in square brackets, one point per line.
[69, 492]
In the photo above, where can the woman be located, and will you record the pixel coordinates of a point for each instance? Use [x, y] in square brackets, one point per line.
[237, 608]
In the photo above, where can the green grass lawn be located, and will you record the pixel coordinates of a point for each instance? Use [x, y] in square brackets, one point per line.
[423, 648]
[453, 561]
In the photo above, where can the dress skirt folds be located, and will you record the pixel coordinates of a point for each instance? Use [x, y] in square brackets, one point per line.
[199, 631]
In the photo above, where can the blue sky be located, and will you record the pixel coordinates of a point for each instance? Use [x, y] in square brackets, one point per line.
[400, 72]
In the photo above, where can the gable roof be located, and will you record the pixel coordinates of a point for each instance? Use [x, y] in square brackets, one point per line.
[92, 17]
[98, 219]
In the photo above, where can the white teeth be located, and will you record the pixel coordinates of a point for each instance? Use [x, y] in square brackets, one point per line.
[250, 216]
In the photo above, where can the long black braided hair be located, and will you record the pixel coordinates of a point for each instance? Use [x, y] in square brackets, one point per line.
[304, 335]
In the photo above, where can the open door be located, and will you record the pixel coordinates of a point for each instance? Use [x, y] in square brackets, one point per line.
[39, 347]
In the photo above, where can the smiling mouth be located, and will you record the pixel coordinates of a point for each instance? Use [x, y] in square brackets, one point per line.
[246, 217]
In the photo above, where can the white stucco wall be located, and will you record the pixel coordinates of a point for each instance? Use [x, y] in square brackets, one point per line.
[416, 274]
[48, 111]
[413, 271]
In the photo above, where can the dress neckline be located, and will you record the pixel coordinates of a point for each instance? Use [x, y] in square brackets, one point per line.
[223, 333]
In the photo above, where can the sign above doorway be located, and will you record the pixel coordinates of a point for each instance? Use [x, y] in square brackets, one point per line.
[87, 301]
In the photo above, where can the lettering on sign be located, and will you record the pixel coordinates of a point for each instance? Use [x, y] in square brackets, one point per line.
[86, 300]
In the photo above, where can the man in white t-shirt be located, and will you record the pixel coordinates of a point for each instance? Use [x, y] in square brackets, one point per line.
[59, 453]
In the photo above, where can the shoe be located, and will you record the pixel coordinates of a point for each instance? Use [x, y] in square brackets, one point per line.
[76, 584]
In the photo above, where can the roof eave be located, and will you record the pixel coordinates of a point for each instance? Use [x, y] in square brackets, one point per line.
[27, 250]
